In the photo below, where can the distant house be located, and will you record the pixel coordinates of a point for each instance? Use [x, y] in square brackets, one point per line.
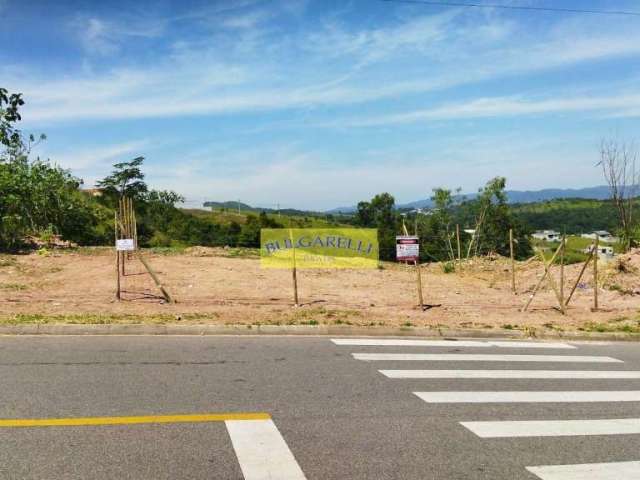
[548, 235]
[604, 251]
[603, 236]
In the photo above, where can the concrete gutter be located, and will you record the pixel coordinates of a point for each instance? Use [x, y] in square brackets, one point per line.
[332, 330]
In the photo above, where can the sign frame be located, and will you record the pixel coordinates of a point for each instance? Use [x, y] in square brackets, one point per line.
[407, 248]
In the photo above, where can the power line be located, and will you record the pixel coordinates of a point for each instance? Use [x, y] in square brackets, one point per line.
[515, 7]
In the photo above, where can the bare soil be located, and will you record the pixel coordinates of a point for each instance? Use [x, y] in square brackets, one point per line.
[213, 286]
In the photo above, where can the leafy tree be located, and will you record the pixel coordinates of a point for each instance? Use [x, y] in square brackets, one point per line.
[249, 235]
[493, 219]
[380, 213]
[126, 180]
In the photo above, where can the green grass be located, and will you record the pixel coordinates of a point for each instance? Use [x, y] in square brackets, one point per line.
[100, 319]
[620, 324]
[13, 286]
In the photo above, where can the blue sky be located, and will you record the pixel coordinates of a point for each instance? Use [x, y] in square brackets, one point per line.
[320, 103]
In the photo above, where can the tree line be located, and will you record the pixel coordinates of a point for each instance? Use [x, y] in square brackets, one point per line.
[38, 198]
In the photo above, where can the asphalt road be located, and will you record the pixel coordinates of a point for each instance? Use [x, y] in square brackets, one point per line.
[340, 417]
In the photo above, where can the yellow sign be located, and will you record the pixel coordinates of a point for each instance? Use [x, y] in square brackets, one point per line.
[319, 248]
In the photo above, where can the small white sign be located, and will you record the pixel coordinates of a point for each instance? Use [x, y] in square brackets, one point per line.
[407, 248]
[125, 244]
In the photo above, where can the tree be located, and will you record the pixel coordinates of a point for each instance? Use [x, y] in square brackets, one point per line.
[379, 213]
[618, 162]
[126, 180]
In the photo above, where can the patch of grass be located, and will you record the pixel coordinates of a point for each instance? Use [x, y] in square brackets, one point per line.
[622, 324]
[241, 252]
[171, 250]
[7, 261]
[100, 319]
[618, 288]
[310, 322]
[448, 267]
[16, 287]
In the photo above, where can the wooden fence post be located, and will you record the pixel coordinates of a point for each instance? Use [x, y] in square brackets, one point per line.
[458, 241]
[564, 246]
[117, 256]
[513, 262]
[595, 275]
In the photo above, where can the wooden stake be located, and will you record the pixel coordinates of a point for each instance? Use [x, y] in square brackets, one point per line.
[123, 233]
[294, 270]
[595, 275]
[416, 263]
[546, 272]
[564, 247]
[584, 268]
[156, 280]
[458, 241]
[513, 262]
[117, 258]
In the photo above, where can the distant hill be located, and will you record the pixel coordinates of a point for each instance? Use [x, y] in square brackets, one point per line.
[514, 196]
[233, 206]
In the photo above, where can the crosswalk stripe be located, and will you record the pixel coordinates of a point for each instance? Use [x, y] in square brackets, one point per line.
[590, 471]
[482, 358]
[532, 397]
[512, 374]
[554, 428]
[397, 342]
[262, 452]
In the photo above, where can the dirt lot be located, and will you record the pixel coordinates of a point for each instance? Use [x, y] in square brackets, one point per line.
[218, 286]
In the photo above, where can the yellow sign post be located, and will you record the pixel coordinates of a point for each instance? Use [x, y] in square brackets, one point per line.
[303, 248]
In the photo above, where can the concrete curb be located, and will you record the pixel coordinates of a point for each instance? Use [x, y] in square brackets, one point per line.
[333, 330]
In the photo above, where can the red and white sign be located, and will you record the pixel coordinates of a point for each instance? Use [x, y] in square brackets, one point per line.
[407, 248]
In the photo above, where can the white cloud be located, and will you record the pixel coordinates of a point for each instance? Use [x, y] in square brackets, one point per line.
[105, 37]
[260, 69]
[502, 107]
[92, 163]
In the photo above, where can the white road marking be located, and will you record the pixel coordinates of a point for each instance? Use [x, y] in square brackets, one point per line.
[590, 471]
[482, 358]
[397, 342]
[554, 428]
[539, 374]
[262, 452]
[530, 397]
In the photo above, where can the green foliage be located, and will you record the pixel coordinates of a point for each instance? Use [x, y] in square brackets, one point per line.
[448, 267]
[380, 213]
[126, 180]
[574, 215]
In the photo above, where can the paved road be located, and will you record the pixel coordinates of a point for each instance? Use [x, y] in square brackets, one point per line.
[350, 409]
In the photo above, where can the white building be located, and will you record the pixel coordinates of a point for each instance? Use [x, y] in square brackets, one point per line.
[548, 235]
[603, 236]
[605, 252]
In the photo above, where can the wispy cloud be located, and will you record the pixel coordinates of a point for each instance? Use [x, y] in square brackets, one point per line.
[262, 70]
[106, 37]
[502, 107]
[91, 163]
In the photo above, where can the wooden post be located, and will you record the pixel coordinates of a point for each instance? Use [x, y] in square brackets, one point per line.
[595, 275]
[582, 270]
[418, 272]
[117, 258]
[513, 262]
[294, 270]
[156, 280]
[564, 246]
[123, 233]
[546, 272]
[458, 240]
